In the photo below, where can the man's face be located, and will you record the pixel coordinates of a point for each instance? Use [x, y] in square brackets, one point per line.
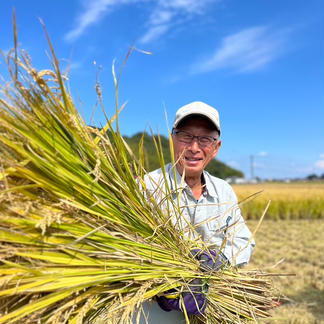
[193, 157]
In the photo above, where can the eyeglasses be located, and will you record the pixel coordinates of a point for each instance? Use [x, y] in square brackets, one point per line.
[187, 138]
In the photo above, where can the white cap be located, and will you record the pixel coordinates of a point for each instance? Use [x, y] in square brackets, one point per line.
[197, 108]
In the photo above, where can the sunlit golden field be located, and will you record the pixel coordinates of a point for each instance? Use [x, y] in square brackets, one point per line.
[302, 200]
[291, 237]
[297, 245]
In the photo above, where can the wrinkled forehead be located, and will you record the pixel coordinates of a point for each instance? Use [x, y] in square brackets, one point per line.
[197, 121]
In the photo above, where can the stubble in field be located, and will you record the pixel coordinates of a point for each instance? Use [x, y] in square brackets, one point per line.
[298, 247]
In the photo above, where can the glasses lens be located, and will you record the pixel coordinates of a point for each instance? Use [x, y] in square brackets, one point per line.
[184, 137]
[205, 140]
[188, 138]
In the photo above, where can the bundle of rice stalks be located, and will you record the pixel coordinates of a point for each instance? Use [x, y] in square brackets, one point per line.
[81, 241]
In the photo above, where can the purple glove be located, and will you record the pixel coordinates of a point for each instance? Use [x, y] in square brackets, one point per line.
[212, 260]
[194, 300]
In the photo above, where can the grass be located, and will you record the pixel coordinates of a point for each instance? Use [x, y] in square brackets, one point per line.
[302, 200]
[300, 244]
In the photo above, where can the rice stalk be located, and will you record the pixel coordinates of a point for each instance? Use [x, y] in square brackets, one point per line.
[81, 241]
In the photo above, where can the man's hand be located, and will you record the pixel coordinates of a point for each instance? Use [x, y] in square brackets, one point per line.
[211, 260]
[194, 299]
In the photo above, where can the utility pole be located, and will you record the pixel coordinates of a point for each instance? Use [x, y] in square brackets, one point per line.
[252, 166]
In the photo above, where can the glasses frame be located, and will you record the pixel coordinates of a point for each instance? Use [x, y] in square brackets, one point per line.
[214, 139]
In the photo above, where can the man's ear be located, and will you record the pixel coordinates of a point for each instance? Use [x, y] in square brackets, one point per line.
[218, 145]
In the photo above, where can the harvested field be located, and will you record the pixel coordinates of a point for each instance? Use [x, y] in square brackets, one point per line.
[299, 245]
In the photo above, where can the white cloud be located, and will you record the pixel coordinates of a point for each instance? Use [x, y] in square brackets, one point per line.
[154, 33]
[186, 5]
[263, 154]
[94, 11]
[161, 17]
[320, 163]
[247, 50]
[167, 13]
[317, 167]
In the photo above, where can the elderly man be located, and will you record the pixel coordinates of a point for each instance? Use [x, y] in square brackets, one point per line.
[209, 203]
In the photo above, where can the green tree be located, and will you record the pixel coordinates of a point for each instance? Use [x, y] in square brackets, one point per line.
[215, 167]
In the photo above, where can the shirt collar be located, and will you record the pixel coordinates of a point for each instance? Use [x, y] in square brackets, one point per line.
[209, 187]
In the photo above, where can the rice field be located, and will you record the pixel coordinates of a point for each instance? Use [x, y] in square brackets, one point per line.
[300, 200]
[80, 242]
[296, 246]
[290, 241]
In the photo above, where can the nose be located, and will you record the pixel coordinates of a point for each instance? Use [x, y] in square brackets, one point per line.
[194, 145]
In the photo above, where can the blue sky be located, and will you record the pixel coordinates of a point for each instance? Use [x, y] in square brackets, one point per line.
[259, 62]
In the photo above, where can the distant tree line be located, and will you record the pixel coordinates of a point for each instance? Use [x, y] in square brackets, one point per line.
[314, 176]
[215, 167]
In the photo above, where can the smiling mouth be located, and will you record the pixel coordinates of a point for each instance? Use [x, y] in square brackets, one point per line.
[192, 159]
